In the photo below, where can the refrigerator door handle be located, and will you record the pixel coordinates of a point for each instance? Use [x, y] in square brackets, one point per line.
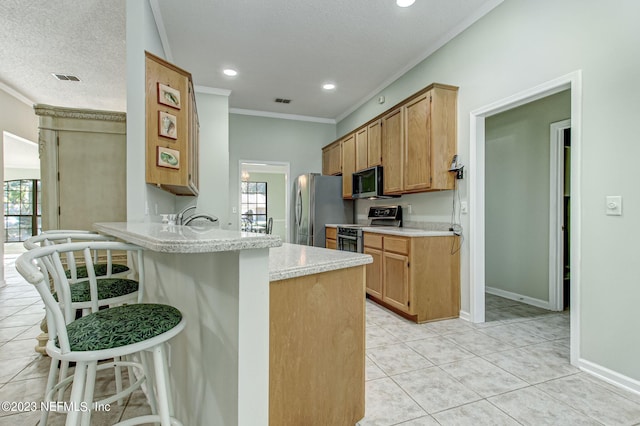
[299, 208]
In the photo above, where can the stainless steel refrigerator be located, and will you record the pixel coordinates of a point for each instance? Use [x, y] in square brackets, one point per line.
[318, 201]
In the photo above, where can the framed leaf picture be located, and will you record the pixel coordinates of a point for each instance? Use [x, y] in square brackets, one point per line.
[167, 125]
[168, 96]
[168, 157]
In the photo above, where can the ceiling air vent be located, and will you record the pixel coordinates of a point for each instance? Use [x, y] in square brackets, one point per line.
[65, 77]
[283, 101]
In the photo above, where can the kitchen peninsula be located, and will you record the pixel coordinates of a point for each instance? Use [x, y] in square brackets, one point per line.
[275, 332]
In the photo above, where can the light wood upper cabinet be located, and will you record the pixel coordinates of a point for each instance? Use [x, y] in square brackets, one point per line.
[332, 159]
[392, 151]
[348, 165]
[430, 140]
[414, 141]
[374, 145]
[417, 144]
[172, 128]
[361, 149]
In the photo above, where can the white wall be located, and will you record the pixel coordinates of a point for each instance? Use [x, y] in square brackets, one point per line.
[18, 118]
[13, 174]
[213, 199]
[146, 202]
[273, 139]
[517, 175]
[143, 201]
[521, 44]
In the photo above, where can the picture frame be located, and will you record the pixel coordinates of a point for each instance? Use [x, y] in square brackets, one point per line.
[169, 96]
[167, 125]
[167, 157]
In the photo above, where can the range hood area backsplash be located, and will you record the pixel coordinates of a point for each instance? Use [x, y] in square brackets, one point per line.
[427, 211]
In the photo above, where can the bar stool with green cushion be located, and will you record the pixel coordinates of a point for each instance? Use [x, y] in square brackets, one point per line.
[111, 290]
[75, 272]
[103, 334]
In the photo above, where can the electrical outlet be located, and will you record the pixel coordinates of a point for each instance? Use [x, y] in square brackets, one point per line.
[409, 208]
[234, 210]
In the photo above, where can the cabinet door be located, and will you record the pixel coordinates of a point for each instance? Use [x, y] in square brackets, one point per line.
[361, 149]
[374, 144]
[374, 272]
[348, 165]
[330, 244]
[396, 280]
[326, 161]
[392, 149]
[417, 148]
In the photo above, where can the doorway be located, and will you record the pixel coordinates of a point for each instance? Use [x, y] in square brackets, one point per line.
[573, 82]
[264, 198]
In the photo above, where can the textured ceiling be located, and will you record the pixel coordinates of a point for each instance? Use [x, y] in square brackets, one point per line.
[281, 49]
[76, 37]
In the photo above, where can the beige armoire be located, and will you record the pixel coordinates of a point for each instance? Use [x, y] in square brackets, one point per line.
[83, 167]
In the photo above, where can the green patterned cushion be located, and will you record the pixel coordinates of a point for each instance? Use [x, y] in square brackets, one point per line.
[120, 326]
[107, 288]
[100, 268]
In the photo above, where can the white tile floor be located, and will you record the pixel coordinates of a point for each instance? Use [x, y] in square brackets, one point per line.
[511, 370]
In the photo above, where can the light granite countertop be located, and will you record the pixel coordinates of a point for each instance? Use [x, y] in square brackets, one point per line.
[292, 260]
[402, 231]
[186, 239]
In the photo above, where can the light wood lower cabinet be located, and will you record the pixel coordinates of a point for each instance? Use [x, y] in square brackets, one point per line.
[417, 277]
[316, 349]
[374, 272]
[331, 239]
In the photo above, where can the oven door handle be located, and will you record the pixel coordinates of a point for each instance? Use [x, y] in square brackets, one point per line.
[344, 237]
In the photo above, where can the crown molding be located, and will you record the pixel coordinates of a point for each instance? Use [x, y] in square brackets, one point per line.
[19, 96]
[83, 114]
[212, 90]
[280, 115]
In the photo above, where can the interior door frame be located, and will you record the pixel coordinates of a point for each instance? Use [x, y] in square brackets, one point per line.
[556, 213]
[572, 81]
[283, 167]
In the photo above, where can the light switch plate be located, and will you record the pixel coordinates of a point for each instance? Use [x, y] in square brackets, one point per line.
[613, 205]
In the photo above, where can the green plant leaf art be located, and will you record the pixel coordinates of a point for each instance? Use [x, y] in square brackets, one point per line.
[168, 158]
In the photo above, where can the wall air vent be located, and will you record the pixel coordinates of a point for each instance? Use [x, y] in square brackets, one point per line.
[65, 77]
[283, 101]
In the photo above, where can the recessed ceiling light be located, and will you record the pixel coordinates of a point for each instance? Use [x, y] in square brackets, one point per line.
[328, 86]
[405, 3]
[230, 72]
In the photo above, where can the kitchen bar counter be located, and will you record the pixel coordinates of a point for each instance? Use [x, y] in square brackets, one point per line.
[186, 239]
[292, 260]
[243, 296]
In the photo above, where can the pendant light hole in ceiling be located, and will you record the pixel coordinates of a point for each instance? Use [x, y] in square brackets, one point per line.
[405, 3]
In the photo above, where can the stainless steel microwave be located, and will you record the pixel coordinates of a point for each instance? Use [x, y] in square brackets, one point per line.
[368, 183]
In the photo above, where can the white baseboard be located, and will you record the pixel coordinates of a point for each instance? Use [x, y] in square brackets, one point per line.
[609, 376]
[544, 304]
[465, 316]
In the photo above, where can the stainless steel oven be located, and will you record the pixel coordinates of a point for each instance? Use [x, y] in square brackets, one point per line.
[350, 238]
